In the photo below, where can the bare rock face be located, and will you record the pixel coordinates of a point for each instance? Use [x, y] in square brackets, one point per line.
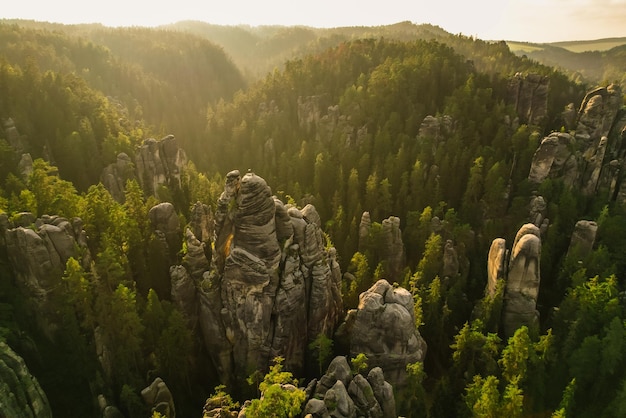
[496, 265]
[436, 127]
[583, 238]
[20, 393]
[159, 398]
[271, 286]
[159, 163]
[394, 254]
[522, 284]
[341, 394]
[115, 175]
[555, 158]
[163, 218]
[38, 252]
[383, 328]
[597, 113]
[529, 95]
[364, 230]
[450, 260]
[538, 210]
[25, 166]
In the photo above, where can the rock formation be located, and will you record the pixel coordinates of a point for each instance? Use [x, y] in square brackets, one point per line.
[436, 127]
[450, 261]
[555, 159]
[20, 393]
[37, 250]
[115, 175]
[591, 157]
[522, 278]
[496, 265]
[340, 394]
[394, 251]
[159, 163]
[271, 286]
[383, 328]
[164, 219]
[529, 95]
[583, 238]
[158, 397]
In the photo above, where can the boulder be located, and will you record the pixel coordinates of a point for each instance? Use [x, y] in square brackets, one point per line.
[555, 158]
[383, 328]
[158, 397]
[583, 238]
[21, 396]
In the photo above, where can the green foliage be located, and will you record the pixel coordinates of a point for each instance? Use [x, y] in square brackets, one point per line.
[280, 396]
[322, 347]
[359, 363]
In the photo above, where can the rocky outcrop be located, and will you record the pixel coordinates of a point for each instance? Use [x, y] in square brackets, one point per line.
[496, 265]
[25, 166]
[583, 238]
[450, 261]
[270, 287]
[159, 163]
[383, 328]
[522, 281]
[436, 127]
[555, 158]
[158, 397]
[164, 220]
[340, 394]
[13, 137]
[529, 95]
[115, 175]
[592, 157]
[37, 250]
[20, 393]
[394, 252]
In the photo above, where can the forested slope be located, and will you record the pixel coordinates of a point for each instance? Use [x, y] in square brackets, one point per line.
[414, 155]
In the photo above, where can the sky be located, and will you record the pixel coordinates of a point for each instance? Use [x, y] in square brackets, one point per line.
[518, 20]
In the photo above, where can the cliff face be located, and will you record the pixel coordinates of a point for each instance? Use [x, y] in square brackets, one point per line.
[593, 156]
[20, 393]
[383, 328]
[271, 286]
[157, 163]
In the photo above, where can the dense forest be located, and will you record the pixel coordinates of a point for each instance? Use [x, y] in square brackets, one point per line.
[347, 134]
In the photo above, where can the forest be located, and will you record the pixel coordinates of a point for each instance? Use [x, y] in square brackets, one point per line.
[369, 153]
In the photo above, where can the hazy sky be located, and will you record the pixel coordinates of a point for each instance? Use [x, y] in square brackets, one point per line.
[529, 20]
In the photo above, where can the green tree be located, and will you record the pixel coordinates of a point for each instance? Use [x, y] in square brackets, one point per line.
[322, 348]
[280, 395]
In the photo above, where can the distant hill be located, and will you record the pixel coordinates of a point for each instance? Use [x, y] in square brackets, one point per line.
[593, 61]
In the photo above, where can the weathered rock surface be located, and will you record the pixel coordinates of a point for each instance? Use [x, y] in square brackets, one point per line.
[436, 127]
[450, 261]
[383, 328]
[115, 175]
[25, 166]
[529, 95]
[163, 218]
[555, 158]
[340, 394]
[159, 163]
[583, 238]
[271, 286]
[591, 157]
[522, 283]
[496, 265]
[20, 393]
[394, 251]
[37, 250]
[158, 396]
